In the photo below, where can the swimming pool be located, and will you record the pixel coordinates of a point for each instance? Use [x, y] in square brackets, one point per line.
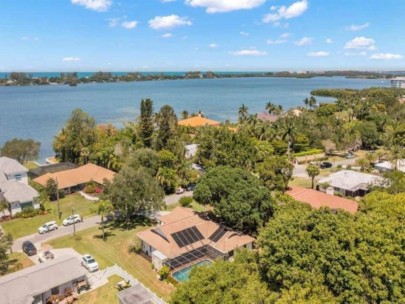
[183, 274]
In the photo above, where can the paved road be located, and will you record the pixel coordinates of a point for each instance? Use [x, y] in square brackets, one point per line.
[174, 198]
[37, 238]
[300, 170]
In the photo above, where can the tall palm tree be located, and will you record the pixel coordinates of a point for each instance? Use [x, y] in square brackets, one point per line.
[306, 102]
[243, 113]
[312, 172]
[273, 108]
[103, 207]
[289, 133]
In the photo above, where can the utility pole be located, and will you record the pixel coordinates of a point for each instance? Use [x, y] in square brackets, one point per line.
[57, 197]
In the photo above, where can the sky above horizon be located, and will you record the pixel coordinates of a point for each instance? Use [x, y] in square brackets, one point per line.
[218, 35]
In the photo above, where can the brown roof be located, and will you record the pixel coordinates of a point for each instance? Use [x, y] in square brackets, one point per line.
[198, 121]
[317, 199]
[78, 176]
[180, 219]
[264, 116]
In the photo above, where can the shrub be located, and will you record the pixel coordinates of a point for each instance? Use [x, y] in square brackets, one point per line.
[172, 280]
[164, 272]
[136, 246]
[90, 188]
[309, 152]
[28, 212]
[185, 201]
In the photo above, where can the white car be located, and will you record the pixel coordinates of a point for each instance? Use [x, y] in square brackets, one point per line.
[90, 263]
[47, 227]
[180, 190]
[70, 220]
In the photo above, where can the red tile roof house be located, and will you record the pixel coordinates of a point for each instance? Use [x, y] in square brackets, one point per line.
[184, 237]
[317, 199]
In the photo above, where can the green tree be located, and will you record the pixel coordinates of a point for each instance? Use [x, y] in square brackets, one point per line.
[21, 149]
[237, 197]
[225, 283]
[146, 124]
[167, 179]
[103, 207]
[166, 159]
[3, 206]
[74, 142]
[273, 108]
[312, 171]
[134, 192]
[243, 113]
[167, 123]
[275, 172]
[145, 158]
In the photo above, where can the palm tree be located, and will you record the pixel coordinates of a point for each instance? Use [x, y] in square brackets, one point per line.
[3, 206]
[273, 108]
[184, 114]
[312, 102]
[312, 172]
[289, 131]
[103, 207]
[243, 113]
[306, 102]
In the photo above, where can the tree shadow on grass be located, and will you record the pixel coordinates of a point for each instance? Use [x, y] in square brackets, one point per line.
[107, 234]
[125, 225]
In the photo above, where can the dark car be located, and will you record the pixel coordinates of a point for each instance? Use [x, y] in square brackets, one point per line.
[29, 248]
[325, 165]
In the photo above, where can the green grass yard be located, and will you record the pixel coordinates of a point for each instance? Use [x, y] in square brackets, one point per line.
[106, 294]
[116, 250]
[24, 226]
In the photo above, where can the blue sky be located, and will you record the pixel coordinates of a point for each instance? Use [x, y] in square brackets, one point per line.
[219, 35]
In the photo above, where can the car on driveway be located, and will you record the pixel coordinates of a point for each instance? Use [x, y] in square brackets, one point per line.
[90, 263]
[180, 190]
[47, 227]
[325, 165]
[29, 248]
[73, 219]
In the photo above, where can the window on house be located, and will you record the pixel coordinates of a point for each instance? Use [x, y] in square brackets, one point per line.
[17, 177]
[55, 291]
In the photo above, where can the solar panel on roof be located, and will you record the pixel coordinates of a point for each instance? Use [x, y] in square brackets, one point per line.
[187, 236]
[216, 236]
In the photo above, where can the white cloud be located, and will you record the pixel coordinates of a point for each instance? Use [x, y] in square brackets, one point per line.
[213, 45]
[251, 52]
[386, 56]
[277, 41]
[71, 59]
[244, 34]
[29, 38]
[363, 53]
[285, 35]
[329, 41]
[361, 43]
[168, 22]
[95, 5]
[355, 28]
[129, 24]
[304, 41]
[318, 54]
[167, 35]
[221, 6]
[283, 12]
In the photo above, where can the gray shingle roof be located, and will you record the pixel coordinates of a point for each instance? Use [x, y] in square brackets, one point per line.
[351, 180]
[9, 166]
[20, 287]
[14, 191]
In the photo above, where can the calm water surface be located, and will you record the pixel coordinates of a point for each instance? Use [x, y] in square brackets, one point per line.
[39, 112]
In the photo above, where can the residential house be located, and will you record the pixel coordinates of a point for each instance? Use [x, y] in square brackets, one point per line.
[186, 237]
[198, 121]
[317, 199]
[349, 183]
[52, 168]
[76, 179]
[14, 187]
[387, 166]
[36, 284]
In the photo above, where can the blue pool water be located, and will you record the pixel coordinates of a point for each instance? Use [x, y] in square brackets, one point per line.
[183, 274]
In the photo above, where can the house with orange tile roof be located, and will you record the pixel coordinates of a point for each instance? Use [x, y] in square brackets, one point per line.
[75, 179]
[185, 237]
[317, 199]
[198, 121]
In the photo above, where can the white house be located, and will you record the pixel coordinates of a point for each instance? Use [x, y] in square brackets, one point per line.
[387, 166]
[14, 187]
[350, 183]
[191, 150]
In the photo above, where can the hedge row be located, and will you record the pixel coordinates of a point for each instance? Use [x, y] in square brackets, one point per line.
[309, 152]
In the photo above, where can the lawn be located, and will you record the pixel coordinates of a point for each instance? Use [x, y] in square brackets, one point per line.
[18, 261]
[106, 294]
[20, 227]
[300, 182]
[31, 165]
[115, 250]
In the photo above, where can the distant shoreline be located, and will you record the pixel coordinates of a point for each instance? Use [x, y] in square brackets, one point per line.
[74, 79]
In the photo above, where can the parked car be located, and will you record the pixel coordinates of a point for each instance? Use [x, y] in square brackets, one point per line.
[90, 263]
[349, 155]
[325, 165]
[180, 190]
[70, 220]
[29, 248]
[47, 227]
[45, 256]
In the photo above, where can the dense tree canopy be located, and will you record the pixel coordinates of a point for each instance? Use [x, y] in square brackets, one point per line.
[237, 197]
[21, 149]
[75, 140]
[146, 123]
